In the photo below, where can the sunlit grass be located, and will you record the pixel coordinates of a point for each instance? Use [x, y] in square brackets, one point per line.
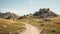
[7, 26]
[47, 26]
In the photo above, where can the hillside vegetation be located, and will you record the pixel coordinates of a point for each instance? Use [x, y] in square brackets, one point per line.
[48, 26]
[10, 27]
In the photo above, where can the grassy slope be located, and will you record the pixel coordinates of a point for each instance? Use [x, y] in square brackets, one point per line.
[7, 26]
[49, 27]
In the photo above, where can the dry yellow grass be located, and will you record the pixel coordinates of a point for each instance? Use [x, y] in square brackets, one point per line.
[10, 26]
[48, 26]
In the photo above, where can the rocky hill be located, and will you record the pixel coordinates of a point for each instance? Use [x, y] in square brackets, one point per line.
[9, 15]
[42, 13]
[45, 13]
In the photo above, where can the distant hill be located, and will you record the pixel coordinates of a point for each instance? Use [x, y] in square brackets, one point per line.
[42, 13]
[45, 13]
[9, 15]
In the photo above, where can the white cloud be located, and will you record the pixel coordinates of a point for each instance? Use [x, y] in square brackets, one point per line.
[18, 12]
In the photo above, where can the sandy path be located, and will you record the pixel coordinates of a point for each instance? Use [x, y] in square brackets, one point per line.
[31, 30]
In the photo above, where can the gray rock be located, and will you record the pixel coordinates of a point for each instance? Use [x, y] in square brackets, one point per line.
[45, 13]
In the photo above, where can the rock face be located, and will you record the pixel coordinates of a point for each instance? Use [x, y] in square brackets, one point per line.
[8, 15]
[45, 13]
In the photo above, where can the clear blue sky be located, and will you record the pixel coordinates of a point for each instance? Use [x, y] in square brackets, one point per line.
[29, 6]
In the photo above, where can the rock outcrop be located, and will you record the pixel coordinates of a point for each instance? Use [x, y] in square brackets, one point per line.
[45, 13]
[9, 15]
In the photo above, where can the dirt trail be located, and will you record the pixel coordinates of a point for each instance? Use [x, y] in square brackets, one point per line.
[31, 30]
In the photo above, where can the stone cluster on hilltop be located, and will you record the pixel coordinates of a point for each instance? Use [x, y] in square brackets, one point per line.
[45, 13]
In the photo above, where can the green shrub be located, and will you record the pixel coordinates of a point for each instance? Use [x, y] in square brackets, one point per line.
[40, 22]
[53, 30]
[42, 25]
